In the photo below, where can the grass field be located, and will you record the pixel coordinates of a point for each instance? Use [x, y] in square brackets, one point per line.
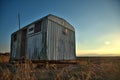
[87, 68]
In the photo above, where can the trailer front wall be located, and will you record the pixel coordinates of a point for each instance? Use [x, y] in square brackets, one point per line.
[60, 40]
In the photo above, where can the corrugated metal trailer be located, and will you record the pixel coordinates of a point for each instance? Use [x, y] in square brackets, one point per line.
[49, 38]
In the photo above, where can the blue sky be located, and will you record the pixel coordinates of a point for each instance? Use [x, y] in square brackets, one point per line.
[97, 22]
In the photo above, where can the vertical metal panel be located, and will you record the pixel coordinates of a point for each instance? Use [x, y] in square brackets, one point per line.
[14, 49]
[16, 45]
[36, 44]
[61, 46]
[23, 42]
[44, 35]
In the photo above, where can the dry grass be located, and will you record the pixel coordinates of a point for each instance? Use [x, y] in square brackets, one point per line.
[4, 57]
[107, 70]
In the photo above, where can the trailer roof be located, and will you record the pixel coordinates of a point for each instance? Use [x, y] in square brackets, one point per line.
[48, 17]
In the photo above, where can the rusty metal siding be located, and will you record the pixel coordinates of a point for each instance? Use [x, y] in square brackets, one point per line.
[61, 21]
[36, 43]
[54, 41]
[14, 48]
[60, 46]
[44, 35]
[23, 42]
[16, 45]
[34, 46]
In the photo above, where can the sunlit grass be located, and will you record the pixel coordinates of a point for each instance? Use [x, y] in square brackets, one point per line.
[86, 69]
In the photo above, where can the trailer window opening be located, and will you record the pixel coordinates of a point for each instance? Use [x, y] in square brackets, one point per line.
[31, 29]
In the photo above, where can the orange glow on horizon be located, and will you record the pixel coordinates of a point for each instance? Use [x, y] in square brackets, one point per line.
[114, 52]
[110, 46]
